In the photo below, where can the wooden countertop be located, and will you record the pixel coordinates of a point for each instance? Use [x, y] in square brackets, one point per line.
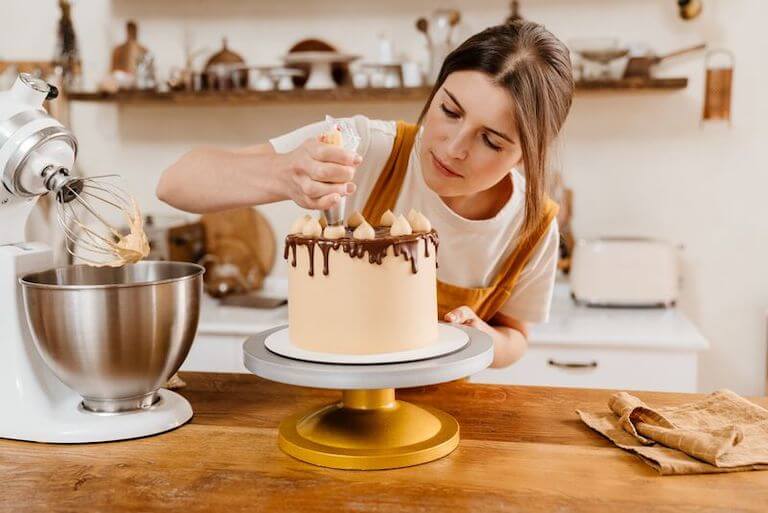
[522, 449]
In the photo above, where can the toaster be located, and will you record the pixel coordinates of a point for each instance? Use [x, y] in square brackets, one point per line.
[625, 272]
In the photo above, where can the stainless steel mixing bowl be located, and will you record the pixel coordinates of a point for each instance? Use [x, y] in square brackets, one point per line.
[114, 335]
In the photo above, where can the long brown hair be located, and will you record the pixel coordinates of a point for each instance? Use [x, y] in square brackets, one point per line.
[535, 67]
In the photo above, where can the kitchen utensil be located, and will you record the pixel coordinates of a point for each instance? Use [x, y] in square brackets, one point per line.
[146, 79]
[90, 213]
[440, 44]
[601, 52]
[339, 70]
[369, 429]
[320, 63]
[689, 9]
[642, 66]
[360, 77]
[259, 78]
[36, 156]
[240, 250]
[514, 12]
[412, 74]
[114, 335]
[441, 25]
[283, 77]
[218, 70]
[350, 140]
[422, 25]
[387, 76]
[67, 53]
[625, 272]
[185, 243]
[157, 229]
[128, 55]
[718, 88]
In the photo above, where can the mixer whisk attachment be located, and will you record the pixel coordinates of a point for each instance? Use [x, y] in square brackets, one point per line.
[92, 211]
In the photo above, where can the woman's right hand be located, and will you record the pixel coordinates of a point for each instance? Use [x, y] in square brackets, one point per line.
[319, 174]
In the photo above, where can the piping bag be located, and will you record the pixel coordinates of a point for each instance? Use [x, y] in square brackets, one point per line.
[340, 132]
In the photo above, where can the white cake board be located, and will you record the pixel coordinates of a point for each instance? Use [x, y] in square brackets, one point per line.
[449, 339]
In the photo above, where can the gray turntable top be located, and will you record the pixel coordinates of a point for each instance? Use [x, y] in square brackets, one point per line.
[472, 358]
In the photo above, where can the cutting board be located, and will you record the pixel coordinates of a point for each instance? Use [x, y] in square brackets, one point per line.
[242, 239]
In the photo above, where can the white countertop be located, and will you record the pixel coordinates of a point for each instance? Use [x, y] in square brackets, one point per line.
[569, 324]
[572, 324]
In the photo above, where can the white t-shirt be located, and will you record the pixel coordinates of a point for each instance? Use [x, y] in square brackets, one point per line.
[471, 252]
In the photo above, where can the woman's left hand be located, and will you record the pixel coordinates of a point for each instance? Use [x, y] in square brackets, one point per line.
[464, 315]
[509, 342]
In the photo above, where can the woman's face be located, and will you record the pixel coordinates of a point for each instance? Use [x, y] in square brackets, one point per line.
[470, 140]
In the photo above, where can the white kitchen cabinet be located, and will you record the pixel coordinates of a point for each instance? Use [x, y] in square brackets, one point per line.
[618, 348]
[637, 349]
[615, 368]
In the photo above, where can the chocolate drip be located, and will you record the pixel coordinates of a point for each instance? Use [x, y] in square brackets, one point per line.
[432, 236]
[404, 245]
[311, 249]
[326, 248]
[409, 250]
[290, 244]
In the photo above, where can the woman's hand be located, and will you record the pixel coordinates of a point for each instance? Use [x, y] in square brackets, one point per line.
[315, 175]
[464, 315]
[319, 174]
[510, 337]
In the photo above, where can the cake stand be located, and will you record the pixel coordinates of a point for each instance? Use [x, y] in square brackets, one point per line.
[320, 73]
[369, 429]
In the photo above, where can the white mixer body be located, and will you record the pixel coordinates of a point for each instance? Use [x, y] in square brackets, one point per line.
[30, 142]
[37, 406]
[35, 151]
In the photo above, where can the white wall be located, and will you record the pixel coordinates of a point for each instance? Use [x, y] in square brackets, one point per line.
[639, 163]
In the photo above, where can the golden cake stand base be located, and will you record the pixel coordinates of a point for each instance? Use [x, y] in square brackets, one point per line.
[369, 430]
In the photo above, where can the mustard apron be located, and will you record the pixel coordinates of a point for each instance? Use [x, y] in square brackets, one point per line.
[485, 301]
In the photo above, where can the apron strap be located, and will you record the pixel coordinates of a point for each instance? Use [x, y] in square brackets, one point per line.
[485, 301]
[505, 281]
[384, 194]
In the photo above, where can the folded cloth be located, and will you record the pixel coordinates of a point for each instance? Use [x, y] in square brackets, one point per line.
[722, 432]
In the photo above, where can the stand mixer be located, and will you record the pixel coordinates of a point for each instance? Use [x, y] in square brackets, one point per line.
[45, 315]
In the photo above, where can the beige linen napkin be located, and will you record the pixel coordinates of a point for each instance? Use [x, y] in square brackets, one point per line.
[722, 432]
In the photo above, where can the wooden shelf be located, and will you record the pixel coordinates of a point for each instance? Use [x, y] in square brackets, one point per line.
[342, 94]
[638, 84]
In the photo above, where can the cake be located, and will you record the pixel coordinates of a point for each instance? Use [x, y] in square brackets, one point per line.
[360, 289]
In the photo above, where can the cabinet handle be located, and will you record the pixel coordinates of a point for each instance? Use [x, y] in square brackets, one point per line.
[572, 365]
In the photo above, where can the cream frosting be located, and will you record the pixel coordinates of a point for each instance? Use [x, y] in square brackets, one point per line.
[400, 227]
[419, 222]
[298, 225]
[312, 228]
[411, 213]
[355, 220]
[387, 218]
[134, 246]
[364, 232]
[334, 232]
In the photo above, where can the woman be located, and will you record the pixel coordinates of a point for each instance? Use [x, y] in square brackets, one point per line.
[498, 104]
